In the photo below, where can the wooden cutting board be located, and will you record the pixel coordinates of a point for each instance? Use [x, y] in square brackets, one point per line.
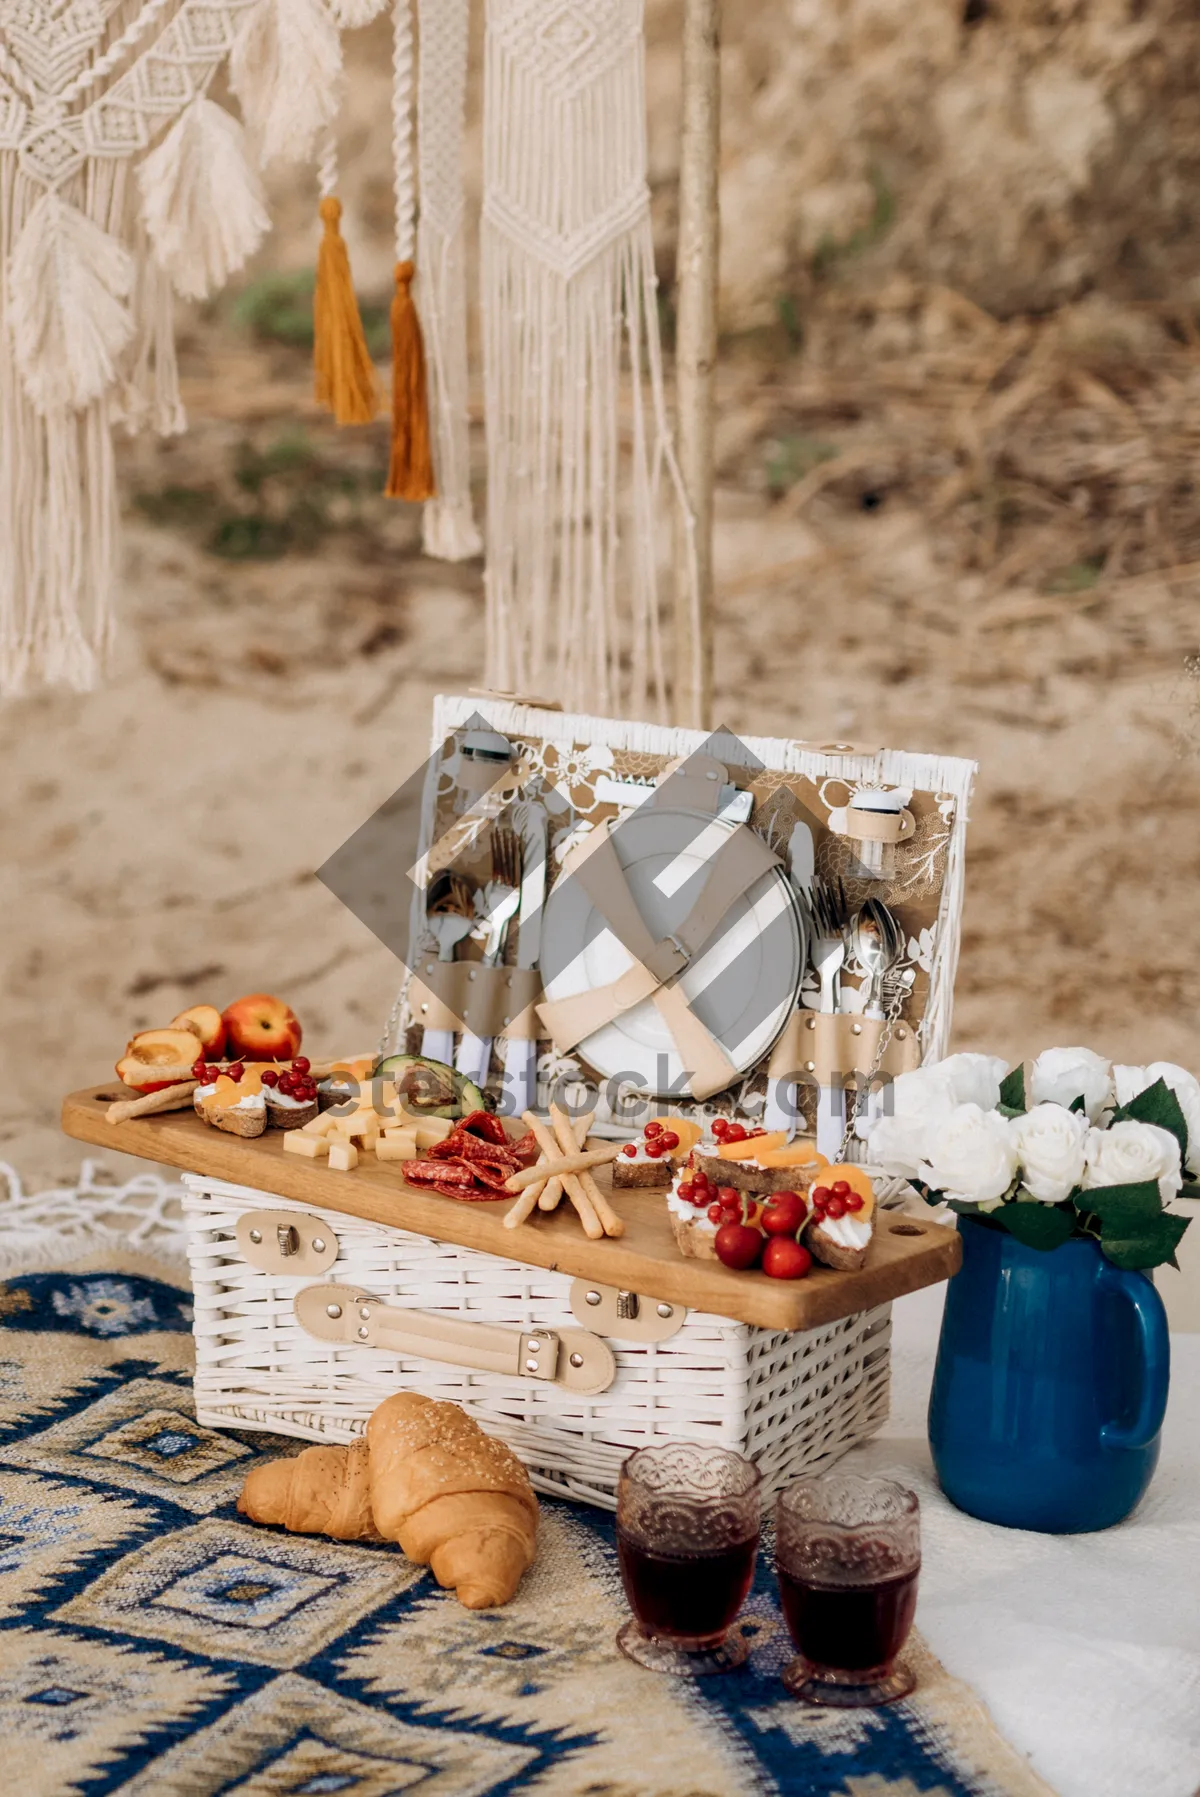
[905, 1253]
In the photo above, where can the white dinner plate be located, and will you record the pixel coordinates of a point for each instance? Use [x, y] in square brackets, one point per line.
[743, 984]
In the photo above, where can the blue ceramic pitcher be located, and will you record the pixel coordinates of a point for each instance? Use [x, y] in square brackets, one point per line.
[1050, 1385]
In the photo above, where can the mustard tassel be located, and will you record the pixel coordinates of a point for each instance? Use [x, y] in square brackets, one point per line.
[410, 469]
[344, 375]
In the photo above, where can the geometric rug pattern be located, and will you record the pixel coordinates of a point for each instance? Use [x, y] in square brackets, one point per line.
[154, 1644]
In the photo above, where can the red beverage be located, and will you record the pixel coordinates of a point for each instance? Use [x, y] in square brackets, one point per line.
[686, 1597]
[849, 1628]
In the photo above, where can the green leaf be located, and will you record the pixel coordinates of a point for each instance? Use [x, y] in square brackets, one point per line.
[1190, 1188]
[1152, 1245]
[1012, 1092]
[1122, 1210]
[1035, 1225]
[1157, 1104]
[1077, 1103]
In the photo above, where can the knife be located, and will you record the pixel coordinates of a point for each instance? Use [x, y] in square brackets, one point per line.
[520, 1059]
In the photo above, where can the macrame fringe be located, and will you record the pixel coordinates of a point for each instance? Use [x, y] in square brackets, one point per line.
[202, 203]
[350, 14]
[570, 327]
[148, 398]
[64, 1224]
[410, 467]
[344, 374]
[285, 68]
[448, 527]
[69, 284]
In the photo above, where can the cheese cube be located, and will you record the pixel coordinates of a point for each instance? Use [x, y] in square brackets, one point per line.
[396, 1148]
[432, 1130]
[362, 1123]
[343, 1156]
[322, 1125]
[296, 1142]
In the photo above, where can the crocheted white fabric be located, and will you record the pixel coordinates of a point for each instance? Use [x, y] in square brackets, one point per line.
[575, 466]
[92, 93]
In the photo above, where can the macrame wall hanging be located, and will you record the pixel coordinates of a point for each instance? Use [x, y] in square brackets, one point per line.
[579, 449]
[122, 181]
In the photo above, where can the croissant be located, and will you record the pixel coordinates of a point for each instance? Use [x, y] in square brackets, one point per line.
[425, 1476]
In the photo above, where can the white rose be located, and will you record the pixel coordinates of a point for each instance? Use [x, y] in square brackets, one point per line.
[1128, 1082]
[1050, 1143]
[924, 1092]
[898, 1144]
[1130, 1153]
[972, 1155]
[1186, 1088]
[1063, 1074]
[974, 1078]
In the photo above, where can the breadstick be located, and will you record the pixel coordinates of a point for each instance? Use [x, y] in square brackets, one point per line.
[563, 1168]
[574, 1135]
[526, 1203]
[554, 1191]
[562, 1165]
[169, 1098]
[550, 1197]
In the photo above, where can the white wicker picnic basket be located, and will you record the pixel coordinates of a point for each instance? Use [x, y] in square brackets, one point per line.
[791, 1402]
[305, 1319]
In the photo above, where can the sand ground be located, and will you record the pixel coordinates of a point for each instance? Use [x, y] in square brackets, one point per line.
[282, 638]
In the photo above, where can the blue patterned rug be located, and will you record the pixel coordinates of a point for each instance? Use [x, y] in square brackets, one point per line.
[152, 1642]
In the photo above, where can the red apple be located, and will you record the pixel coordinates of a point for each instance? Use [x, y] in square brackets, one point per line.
[205, 1022]
[784, 1213]
[261, 1028]
[785, 1258]
[738, 1245]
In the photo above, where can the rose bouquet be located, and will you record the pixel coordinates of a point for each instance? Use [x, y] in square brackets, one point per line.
[1087, 1149]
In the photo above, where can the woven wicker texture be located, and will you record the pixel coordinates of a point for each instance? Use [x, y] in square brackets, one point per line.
[793, 1403]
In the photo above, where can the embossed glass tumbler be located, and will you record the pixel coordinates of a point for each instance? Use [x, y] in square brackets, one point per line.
[848, 1552]
[688, 1522]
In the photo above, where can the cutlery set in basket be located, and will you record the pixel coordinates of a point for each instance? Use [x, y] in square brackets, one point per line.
[741, 925]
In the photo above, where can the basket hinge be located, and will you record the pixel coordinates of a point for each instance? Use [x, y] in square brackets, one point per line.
[573, 1358]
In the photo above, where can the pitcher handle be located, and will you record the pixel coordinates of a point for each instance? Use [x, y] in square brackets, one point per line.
[1155, 1344]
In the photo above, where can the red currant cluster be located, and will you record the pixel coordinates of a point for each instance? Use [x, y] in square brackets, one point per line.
[208, 1075]
[722, 1203]
[294, 1082]
[658, 1140]
[835, 1200]
[725, 1131]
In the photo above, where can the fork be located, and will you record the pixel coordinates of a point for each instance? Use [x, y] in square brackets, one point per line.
[827, 948]
[451, 918]
[501, 897]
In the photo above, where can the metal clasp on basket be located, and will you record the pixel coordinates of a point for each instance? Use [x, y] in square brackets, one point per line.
[626, 1314]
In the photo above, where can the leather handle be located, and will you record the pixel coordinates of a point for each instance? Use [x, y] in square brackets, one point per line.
[572, 1358]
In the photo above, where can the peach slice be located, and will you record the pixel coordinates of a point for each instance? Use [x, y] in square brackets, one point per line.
[151, 1049]
[689, 1134]
[801, 1155]
[205, 1022]
[753, 1148]
[857, 1180]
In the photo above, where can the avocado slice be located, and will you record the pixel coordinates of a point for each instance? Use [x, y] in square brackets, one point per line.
[430, 1088]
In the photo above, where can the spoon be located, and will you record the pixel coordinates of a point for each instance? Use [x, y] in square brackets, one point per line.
[877, 946]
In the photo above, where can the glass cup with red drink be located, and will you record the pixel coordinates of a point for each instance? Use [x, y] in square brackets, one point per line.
[848, 1553]
[688, 1522]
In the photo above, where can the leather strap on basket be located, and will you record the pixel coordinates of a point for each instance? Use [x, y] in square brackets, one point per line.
[823, 1049]
[572, 1358]
[741, 861]
[488, 1001]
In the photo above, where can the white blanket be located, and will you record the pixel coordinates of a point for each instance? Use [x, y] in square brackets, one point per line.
[1085, 1648]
